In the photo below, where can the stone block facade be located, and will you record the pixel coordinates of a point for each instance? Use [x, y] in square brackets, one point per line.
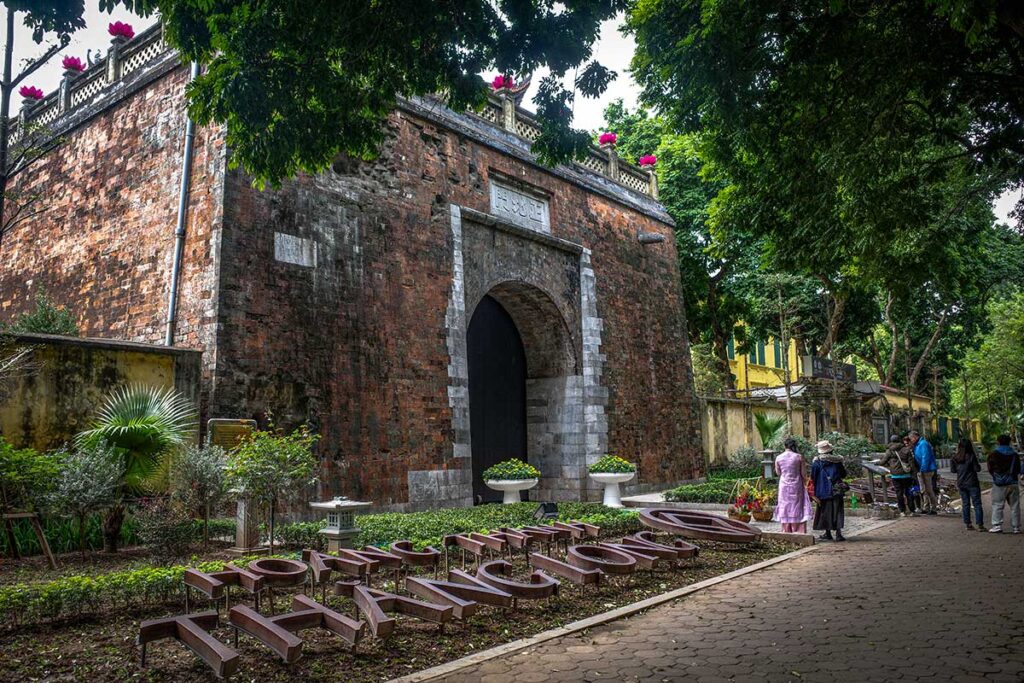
[343, 299]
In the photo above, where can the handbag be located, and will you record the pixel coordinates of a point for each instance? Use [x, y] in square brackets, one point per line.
[1006, 478]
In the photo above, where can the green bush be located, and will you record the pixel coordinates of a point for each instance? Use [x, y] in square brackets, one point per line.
[719, 491]
[62, 535]
[302, 535]
[166, 530]
[745, 458]
[853, 449]
[803, 446]
[612, 464]
[511, 469]
[428, 528]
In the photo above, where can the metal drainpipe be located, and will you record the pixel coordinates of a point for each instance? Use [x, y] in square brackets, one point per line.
[179, 230]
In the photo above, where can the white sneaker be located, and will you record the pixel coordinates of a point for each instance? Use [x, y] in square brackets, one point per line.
[1016, 531]
[995, 530]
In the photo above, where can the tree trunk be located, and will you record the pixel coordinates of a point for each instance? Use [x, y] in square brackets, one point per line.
[967, 407]
[206, 526]
[719, 338]
[273, 505]
[112, 528]
[81, 535]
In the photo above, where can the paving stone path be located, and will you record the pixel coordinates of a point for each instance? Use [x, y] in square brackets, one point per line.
[920, 599]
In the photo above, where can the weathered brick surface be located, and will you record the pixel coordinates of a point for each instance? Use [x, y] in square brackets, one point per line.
[356, 345]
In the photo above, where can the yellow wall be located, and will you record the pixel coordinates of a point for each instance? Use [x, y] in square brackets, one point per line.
[757, 375]
[45, 409]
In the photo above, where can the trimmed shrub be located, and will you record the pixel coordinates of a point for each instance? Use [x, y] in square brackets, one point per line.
[612, 464]
[852, 449]
[745, 458]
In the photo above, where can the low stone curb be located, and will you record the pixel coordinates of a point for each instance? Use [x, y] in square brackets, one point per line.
[614, 615]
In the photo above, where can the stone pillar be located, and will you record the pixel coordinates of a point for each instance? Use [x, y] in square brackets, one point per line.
[114, 58]
[64, 97]
[508, 110]
[613, 161]
[247, 530]
[653, 180]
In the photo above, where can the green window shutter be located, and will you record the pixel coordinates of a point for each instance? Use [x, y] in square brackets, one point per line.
[730, 347]
[753, 354]
[777, 348]
[760, 353]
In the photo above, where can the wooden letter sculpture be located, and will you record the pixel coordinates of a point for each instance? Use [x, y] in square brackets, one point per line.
[217, 585]
[193, 631]
[497, 572]
[464, 593]
[699, 525]
[374, 605]
[277, 632]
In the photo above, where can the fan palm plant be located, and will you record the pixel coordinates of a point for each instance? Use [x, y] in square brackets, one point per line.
[768, 427]
[142, 425]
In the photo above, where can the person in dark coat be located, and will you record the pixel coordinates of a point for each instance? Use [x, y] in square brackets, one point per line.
[827, 473]
[965, 465]
[899, 459]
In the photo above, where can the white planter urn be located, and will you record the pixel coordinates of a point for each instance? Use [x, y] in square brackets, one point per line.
[611, 481]
[511, 488]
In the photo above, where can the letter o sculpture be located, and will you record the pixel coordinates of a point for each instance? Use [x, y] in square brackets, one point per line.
[700, 525]
[608, 560]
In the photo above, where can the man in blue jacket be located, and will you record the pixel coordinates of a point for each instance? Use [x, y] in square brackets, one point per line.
[927, 471]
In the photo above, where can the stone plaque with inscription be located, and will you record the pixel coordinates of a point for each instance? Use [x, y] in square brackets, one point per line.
[228, 433]
[298, 251]
[526, 210]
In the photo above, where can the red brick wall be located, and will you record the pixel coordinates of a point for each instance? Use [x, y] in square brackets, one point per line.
[356, 346]
[103, 245]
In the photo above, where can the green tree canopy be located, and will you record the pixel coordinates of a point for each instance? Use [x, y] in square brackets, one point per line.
[297, 83]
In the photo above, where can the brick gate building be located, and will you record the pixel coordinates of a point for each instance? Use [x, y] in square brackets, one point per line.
[348, 299]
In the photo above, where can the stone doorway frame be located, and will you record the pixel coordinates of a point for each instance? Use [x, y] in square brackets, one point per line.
[567, 428]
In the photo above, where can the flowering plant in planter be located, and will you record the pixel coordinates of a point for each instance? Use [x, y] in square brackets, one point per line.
[119, 29]
[31, 92]
[647, 160]
[73, 64]
[611, 464]
[608, 138]
[508, 470]
[501, 81]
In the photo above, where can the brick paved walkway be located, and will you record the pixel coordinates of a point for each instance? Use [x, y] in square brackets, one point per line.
[830, 615]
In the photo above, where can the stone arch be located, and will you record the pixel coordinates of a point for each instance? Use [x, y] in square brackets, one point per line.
[549, 345]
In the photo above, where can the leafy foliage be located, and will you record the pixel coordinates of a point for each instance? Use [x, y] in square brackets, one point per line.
[26, 476]
[511, 469]
[165, 529]
[745, 458]
[47, 318]
[710, 373]
[428, 528]
[611, 464]
[269, 467]
[89, 481]
[294, 88]
[852, 448]
[143, 424]
[768, 426]
[199, 481]
[803, 445]
[64, 535]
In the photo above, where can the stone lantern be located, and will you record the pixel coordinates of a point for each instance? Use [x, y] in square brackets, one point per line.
[768, 463]
[341, 527]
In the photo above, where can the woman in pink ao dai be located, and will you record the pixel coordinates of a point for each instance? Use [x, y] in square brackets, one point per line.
[793, 509]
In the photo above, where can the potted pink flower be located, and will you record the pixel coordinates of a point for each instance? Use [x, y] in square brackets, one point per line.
[120, 32]
[30, 94]
[608, 138]
[72, 66]
[502, 82]
[647, 161]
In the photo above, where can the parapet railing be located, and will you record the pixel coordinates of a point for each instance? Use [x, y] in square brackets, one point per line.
[126, 57]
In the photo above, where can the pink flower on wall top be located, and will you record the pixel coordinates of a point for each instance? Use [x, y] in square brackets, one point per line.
[73, 64]
[31, 92]
[608, 138]
[647, 160]
[119, 29]
[500, 82]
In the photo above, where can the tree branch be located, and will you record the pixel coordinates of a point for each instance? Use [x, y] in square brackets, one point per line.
[928, 348]
[54, 49]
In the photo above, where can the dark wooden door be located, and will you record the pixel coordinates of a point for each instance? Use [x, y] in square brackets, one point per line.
[497, 392]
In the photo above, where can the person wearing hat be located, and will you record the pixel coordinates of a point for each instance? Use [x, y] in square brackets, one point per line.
[899, 459]
[827, 473]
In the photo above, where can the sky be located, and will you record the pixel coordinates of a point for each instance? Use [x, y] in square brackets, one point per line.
[613, 49]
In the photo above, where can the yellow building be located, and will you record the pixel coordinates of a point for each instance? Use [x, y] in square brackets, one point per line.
[763, 366]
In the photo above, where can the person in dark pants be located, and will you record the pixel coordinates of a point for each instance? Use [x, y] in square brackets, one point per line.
[899, 459]
[827, 473]
[964, 464]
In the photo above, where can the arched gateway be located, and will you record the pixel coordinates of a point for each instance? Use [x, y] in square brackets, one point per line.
[524, 340]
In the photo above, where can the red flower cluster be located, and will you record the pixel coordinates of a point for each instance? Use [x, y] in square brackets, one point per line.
[648, 160]
[608, 138]
[73, 63]
[500, 82]
[121, 29]
[31, 92]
